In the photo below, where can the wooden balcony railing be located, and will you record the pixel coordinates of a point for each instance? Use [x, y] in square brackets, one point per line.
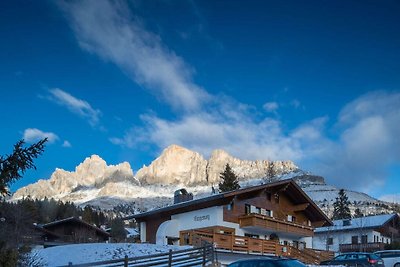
[265, 222]
[367, 247]
[250, 245]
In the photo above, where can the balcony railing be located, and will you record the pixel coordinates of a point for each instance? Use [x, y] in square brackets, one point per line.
[234, 243]
[272, 224]
[367, 247]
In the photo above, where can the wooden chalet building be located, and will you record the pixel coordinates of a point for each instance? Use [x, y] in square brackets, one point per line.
[276, 218]
[69, 231]
[364, 234]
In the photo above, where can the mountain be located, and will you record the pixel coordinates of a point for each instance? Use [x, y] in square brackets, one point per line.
[95, 183]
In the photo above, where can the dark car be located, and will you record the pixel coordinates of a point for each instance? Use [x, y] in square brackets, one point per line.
[267, 262]
[356, 259]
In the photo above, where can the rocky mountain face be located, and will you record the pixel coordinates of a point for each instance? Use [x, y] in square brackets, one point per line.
[179, 165]
[93, 173]
[106, 186]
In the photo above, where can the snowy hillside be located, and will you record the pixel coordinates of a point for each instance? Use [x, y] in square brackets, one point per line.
[92, 252]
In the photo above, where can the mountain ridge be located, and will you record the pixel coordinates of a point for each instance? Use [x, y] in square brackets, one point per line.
[95, 183]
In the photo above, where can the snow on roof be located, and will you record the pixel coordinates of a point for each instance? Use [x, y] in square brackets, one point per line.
[362, 222]
[132, 232]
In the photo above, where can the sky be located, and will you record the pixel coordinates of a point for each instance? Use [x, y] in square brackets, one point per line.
[315, 82]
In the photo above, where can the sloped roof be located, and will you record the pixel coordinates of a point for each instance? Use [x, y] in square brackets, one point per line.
[374, 221]
[294, 192]
[75, 220]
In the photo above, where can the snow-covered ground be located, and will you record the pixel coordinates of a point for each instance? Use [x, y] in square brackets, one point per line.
[91, 252]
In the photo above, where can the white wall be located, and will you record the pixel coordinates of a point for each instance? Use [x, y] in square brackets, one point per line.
[344, 237]
[143, 232]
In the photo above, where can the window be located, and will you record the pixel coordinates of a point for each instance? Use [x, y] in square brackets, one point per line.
[268, 213]
[341, 257]
[354, 239]
[364, 239]
[251, 235]
[258, 210]
[247, 208]
[276, 197]
[229, 206]
[329, 241]
[269, 196]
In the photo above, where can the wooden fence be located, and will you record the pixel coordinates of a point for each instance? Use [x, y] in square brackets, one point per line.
[201, 256]
[250, 245]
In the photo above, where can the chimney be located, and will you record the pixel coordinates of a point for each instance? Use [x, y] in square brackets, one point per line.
[182, 195]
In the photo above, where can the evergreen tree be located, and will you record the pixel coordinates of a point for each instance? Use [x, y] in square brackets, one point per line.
[229, 180]
[117, 232]
[13, 166]
[358, 213]
[341, 208]
[271, 173]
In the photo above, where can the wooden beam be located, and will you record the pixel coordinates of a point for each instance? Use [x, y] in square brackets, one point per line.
[318, 223]
[299, 207]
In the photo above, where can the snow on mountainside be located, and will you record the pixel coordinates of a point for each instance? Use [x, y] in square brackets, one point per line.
[95, 183]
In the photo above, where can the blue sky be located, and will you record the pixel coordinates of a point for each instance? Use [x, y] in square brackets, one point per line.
[316, 82]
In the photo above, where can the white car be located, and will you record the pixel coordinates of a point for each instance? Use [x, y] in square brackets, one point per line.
[390, 257]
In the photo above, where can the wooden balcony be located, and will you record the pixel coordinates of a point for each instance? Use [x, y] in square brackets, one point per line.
[367, 247]
[242, 244]
[274, 225]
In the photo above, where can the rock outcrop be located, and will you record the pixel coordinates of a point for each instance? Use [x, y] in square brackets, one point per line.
[175, 165]
[93, 172]
[178, 165]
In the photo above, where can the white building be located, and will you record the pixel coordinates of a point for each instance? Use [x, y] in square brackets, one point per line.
[367, 234]
[276, 218]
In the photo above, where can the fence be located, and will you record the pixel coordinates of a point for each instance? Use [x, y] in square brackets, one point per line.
[179, 258]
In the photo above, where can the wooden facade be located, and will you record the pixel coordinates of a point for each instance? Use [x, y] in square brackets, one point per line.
[255, 219]
[71, 230]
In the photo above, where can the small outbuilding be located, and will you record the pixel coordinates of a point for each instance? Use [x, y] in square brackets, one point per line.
[70, 231]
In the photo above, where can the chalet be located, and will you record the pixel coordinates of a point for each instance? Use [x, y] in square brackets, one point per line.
[274, 218]
[366, 234]
[71, 230]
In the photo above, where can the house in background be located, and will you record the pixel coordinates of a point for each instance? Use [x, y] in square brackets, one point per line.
[276, 218]
[69, 231]
[366, 234]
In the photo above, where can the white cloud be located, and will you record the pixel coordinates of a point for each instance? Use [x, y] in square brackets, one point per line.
[365, 135]
[66, 144]
[109, 30]
[367, 142]
[32, 135]
[369, 128]
[271, 106]
[75, 105]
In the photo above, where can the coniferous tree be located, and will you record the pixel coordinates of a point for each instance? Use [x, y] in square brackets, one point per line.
[13, 166]
[358, 213]
[271, 173]
[341, 208]
[118, 233]
[229, 180]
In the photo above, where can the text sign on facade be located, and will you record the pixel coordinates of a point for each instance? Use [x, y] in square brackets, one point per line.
[201, 218]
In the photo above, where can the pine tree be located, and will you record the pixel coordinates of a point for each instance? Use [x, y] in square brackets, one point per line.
[271, 173]
[229, 180]
[13, 166]
[341, 208]
[358, 213]
[118, 233]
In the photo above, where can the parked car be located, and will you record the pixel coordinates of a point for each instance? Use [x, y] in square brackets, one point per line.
[267, 262]
[390, 257]
[356, 259]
